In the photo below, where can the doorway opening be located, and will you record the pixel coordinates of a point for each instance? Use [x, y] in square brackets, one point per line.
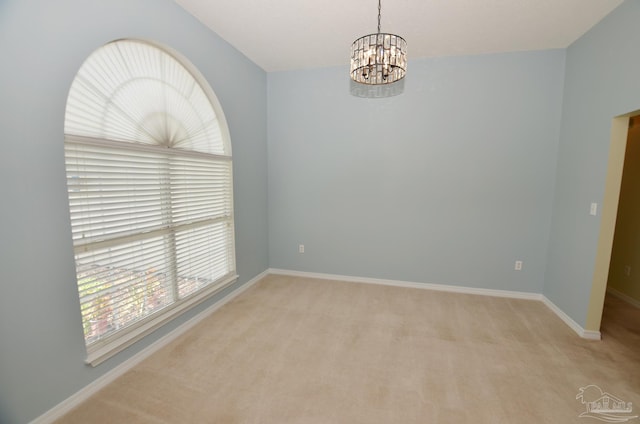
[615, 167]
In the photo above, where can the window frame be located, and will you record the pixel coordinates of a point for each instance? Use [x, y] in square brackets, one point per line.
[104, 348]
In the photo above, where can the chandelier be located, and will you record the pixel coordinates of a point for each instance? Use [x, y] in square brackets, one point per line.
[379, 58]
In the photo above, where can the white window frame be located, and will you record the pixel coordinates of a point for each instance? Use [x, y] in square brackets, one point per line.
[85, 140]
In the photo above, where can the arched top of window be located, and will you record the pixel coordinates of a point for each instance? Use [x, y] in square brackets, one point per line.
[133, 91]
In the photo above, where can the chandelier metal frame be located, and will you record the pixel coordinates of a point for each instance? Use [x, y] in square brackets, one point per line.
[379, 58]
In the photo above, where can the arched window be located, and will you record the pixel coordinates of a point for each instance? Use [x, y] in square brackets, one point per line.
[149, 177]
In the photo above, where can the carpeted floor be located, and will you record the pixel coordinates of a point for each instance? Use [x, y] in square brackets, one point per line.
[295, 350]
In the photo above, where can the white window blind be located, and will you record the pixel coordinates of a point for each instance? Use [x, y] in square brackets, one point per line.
[149, 177]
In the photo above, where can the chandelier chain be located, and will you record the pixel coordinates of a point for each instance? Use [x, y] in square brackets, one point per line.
[379, 10]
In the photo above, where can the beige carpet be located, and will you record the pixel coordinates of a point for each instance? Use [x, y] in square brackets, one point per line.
[294, 350]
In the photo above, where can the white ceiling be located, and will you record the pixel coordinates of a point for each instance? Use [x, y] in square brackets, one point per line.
[295, 34]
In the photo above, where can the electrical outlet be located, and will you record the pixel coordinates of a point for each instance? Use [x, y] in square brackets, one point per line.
[627, 270]
[301, 248]
[518, 266]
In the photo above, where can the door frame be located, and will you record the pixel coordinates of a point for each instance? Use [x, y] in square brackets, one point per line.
[613, 182]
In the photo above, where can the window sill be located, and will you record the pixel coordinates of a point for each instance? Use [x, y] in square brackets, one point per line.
[102, 352]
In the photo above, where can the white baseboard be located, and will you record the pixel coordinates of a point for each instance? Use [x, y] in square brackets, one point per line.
[630, 300]
[89, 390]
[408, 284]
[585, 334]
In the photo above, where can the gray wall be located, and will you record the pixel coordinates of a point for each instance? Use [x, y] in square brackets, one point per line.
[43, 43]
[602, 81]
[449, 183]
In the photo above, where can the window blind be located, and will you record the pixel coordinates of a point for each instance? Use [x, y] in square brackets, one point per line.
[150, 193]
